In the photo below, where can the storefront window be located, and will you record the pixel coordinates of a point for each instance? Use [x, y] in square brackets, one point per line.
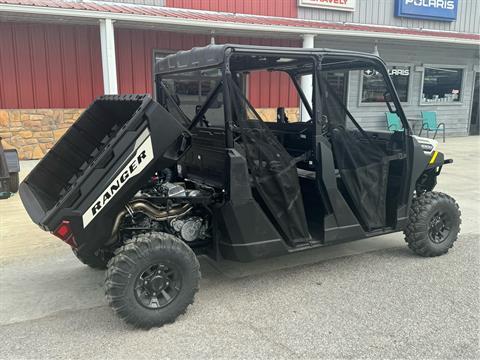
[441, 85]
[374, 88]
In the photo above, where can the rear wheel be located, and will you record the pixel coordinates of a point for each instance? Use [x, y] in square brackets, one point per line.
[152, 280]
[433, 224]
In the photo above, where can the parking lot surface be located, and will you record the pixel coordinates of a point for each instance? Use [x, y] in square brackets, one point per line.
[372, 298]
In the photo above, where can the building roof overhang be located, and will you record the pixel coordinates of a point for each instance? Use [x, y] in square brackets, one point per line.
[200, 20]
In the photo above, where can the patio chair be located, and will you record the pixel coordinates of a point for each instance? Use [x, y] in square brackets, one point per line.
[393, 121]
[429, 123]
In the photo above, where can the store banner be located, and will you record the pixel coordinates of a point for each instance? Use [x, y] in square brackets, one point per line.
[343, 5]
[441, 10]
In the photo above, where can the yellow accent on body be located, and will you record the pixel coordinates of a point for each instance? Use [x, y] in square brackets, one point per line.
[434, 157]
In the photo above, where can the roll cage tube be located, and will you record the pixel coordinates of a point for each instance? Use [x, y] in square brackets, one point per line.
[407, 141]
[165, 93]
[228, 74]
[355, 63]
[380, 65]
[203, 109]
[206, 105]
[301, 94]
[227, 101]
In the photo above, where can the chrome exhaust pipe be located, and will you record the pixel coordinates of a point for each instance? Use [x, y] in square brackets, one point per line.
[155, 212]
[151, 210]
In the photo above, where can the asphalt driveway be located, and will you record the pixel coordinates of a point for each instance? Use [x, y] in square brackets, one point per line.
[372, 298]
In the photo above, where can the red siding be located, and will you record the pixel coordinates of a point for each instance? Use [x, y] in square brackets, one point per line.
[134, 51]
[49, 65]
[270, 89]
[59, 66]
[284, 8]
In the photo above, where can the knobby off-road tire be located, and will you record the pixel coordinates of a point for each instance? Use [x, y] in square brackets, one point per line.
[14, 181]
[93, 260]
[152, 280]
[433, 224]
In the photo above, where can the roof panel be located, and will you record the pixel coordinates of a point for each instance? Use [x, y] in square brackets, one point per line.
[230, 18]
[214, 55]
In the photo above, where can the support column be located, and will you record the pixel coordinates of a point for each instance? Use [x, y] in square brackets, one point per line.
[109, 64]
[307, 81]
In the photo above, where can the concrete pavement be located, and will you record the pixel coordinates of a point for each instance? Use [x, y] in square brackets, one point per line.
[371, 298]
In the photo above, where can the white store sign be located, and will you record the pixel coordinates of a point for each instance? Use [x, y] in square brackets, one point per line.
[344, 5]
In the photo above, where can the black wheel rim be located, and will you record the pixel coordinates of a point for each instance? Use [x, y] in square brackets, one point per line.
[439, 227]
[158, 285]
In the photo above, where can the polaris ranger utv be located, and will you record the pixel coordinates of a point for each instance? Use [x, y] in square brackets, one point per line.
[9, 171]
[140, 187]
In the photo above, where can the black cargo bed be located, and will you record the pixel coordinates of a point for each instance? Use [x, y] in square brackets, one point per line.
[116, 142]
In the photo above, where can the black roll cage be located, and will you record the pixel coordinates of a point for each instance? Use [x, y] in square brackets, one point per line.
[232, 60]
[314, 59]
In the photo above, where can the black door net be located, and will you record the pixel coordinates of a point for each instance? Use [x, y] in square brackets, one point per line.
[363, 165]
[273, 170]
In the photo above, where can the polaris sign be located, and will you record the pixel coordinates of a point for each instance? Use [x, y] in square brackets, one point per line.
[441, 10]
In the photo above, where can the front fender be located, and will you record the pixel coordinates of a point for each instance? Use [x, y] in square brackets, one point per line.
[435, 160]
[428, 179]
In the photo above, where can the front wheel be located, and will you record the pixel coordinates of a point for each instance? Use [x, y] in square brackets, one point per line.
[433, 224]
[152, 280]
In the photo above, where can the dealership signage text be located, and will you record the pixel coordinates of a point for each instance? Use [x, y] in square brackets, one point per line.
[345, 5]
[443, 10]
[139, 159]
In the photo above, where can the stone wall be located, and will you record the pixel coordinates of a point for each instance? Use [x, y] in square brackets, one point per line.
[34, 131]
[270, 114]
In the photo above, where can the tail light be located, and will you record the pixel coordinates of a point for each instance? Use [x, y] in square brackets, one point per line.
[64, 232]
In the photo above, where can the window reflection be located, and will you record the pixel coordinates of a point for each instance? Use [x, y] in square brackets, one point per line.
[442, 85]
[374, 86]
